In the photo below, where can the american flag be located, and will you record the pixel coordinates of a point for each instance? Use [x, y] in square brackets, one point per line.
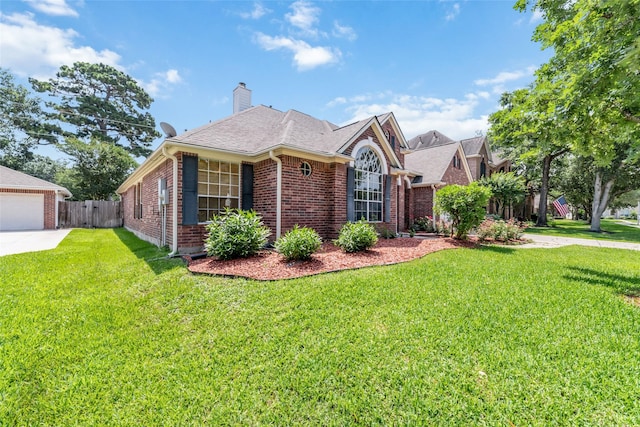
[561, 206]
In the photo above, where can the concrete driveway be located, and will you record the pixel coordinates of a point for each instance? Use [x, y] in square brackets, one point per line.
[17, 242]
[542, 241]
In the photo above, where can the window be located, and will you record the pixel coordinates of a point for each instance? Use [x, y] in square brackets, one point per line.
[483, 169]
[368, 186]
[218, 187]
[305, 168]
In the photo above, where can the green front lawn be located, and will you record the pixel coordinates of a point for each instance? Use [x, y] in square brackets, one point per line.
[611, 230]
[103, 331]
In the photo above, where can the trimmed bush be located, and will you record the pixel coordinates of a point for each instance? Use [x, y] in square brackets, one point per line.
[299, 243]
[356, 236]
[235, 234]
[500, 230]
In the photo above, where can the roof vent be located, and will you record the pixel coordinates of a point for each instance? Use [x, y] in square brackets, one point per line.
[241, 98]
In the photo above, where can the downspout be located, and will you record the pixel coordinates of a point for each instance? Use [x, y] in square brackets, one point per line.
[278, 192]
[174, 207]
[433, 202]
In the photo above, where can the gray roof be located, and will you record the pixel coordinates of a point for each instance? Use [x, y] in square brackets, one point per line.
[10, 178]
[473, 146]
[259, 128]
[428, 139]
[431, 162]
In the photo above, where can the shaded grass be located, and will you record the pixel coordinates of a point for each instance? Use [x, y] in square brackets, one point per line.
[95, 332]
[611, 230]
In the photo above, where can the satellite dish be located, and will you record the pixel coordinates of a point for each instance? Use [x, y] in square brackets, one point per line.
[169, 130]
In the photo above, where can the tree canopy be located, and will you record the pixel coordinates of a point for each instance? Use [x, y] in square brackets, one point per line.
[102, 103]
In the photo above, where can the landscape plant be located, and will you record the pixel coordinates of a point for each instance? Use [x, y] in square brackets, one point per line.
[356, 236]
[299, 243]
[465, 205]
[500, 230]
[235, 233]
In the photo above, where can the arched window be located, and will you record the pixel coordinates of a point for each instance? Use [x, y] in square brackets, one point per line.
[368, 186]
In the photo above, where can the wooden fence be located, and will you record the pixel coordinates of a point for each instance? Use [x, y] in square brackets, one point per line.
[90, 214]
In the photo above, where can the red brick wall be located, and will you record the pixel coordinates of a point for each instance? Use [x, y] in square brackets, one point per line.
[264, 193]
[149, 227]
[49, 204]
[454, 175]
[422, 202]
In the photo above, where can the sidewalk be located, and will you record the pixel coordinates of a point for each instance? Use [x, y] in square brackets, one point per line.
[540, 241]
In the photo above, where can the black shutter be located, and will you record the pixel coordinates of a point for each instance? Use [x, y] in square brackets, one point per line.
[247, 187]
[189, 190]
[387, 198]
[351, 179]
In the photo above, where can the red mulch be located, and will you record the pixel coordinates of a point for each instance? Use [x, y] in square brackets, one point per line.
[270, 265]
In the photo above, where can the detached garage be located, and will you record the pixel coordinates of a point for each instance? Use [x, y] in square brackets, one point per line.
[27, 202]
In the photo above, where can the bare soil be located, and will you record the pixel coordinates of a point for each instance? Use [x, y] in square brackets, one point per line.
[270, 265]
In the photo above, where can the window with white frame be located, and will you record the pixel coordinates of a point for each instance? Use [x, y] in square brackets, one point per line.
[218, 187]
[368, 186]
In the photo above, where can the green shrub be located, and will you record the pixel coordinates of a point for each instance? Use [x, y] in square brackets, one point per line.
[426, 224]
[299, 243]
[356, 236]
[235, 234]
[466, 205]
[387, 233]
[500, 230]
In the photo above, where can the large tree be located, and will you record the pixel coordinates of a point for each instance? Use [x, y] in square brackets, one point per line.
[97, 101]
[527, 128]
[99, 169]
[597, 66]
[22, 126]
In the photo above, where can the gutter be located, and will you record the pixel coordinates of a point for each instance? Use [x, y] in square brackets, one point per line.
[174, 203]
[278, 192]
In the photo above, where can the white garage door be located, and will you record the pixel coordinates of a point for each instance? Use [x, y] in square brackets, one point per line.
[21, 212]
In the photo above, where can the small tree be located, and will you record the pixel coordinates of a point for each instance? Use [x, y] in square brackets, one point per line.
[506, 188]
[466, 205]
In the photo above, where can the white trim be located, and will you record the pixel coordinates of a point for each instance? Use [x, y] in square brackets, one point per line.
[369, 143]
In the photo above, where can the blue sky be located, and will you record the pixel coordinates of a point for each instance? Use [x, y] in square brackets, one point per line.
[436, 64]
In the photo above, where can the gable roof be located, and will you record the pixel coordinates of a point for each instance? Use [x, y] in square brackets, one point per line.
[473, 147]
[16, 180]
[432, 162]
[428, 139]
[261, 128]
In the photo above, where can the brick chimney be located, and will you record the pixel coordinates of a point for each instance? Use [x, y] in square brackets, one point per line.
[241, 98]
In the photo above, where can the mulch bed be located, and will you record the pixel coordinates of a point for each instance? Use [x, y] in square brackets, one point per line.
[270, 265]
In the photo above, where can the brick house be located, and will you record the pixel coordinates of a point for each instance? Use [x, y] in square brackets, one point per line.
[289, 167]
[27, 202]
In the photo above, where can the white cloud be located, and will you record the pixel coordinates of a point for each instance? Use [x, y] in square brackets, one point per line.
[536, 17]
[453, 12]
[305, 56]
[304, 17]
[53, 7]
[161, 83]
[257, 12]
[456, 118]
[31, 49]
[498, 82]
[345, 32]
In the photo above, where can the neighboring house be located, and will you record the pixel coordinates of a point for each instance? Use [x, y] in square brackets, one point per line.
[27, 202]
[433, 166]
[482, 161]
[289, 167]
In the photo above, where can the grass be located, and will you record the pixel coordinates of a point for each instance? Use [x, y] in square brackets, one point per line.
[611, 230]
[103, 331]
